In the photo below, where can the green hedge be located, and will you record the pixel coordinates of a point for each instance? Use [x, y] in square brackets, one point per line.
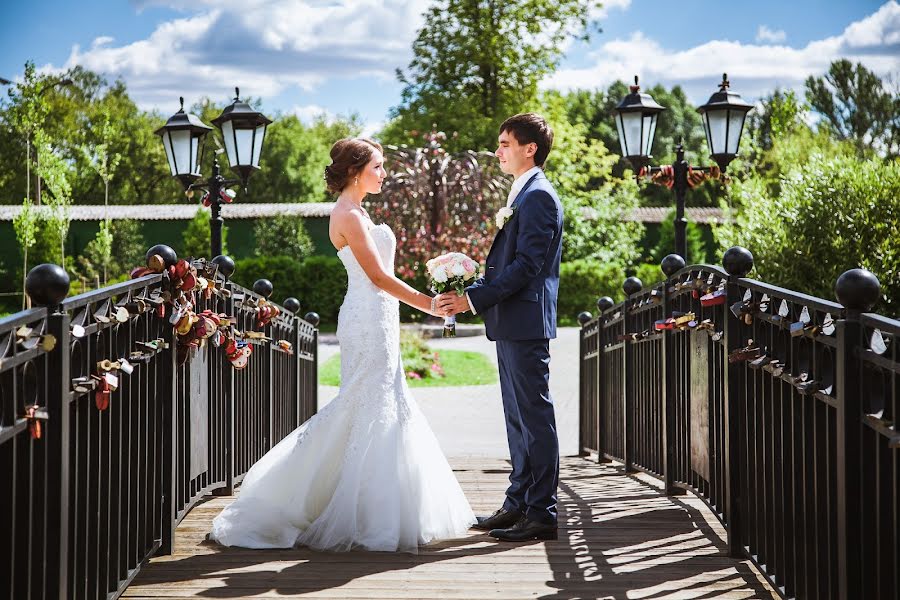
[583, 281]
[319, 282]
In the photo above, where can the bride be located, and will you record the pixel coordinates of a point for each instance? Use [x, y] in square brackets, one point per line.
[366, 471]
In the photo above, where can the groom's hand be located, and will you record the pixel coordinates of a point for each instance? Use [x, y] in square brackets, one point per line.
[451, 303]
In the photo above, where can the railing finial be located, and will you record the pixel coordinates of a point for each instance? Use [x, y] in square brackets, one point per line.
[47, 284]
[857, 289]
[584, 317]
[671, 264]
[312, 318]
[291, 304]
[263, 287]
[738, 261]
[604, 303]
[225, 264]
[632, 286]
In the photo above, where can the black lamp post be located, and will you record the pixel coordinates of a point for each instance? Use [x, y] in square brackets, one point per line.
[723, 121]
[243, 130]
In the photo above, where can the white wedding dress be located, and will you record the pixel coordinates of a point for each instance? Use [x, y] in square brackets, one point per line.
[366, 471]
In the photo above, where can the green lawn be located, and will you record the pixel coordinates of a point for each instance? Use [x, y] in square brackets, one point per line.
[461, 368]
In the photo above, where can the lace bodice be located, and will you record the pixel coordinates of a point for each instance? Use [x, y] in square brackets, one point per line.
[369, 334]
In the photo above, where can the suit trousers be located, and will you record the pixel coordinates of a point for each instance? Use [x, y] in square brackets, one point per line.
[530, 428]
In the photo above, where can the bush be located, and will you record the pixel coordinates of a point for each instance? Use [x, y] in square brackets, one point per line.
[832, 214]
[319, 282]
[282, 234]
[581, 283]
[419, 360]
[196, 237]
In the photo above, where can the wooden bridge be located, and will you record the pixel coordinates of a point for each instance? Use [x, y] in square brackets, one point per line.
[738, 441]
[620, 537]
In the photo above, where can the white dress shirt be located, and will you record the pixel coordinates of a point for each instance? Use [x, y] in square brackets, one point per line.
[517, 186]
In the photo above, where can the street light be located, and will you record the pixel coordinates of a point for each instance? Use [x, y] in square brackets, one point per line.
[243, 130]
[723, 122]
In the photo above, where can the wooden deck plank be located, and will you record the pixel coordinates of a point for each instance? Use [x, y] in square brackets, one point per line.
[619, 538]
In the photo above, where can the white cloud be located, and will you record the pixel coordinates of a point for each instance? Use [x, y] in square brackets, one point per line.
[312, 112]
[764, 34]
[263, 46]
[753, 69]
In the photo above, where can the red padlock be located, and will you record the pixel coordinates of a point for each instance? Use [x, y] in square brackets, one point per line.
[102, 394]
[34, 424]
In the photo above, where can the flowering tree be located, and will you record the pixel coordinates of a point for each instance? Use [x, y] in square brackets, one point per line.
[438, 202]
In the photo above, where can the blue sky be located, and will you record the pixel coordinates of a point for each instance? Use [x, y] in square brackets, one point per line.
[339, 56]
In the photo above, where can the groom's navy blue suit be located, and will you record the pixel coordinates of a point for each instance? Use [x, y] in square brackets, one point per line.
[517, 299]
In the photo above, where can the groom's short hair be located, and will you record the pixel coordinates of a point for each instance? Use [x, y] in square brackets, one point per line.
[530, 128]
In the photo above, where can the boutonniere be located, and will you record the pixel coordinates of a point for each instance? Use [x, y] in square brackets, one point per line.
[504, 215]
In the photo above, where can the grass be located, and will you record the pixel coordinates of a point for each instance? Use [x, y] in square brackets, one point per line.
[461, 368]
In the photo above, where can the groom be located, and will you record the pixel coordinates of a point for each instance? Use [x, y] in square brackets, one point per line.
[517, 299]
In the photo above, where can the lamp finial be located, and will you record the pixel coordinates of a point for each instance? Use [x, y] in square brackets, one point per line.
[725, 83]
[635, 88]
[181, 101]
[237, 93]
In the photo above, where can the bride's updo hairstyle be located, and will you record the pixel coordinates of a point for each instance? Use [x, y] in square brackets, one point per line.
[348, 158]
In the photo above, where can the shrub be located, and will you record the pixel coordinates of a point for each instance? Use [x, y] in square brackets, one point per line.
[282, 234]
[832, 214]
[196, 237]
[581, 283]
[319, 282]
[419, 360]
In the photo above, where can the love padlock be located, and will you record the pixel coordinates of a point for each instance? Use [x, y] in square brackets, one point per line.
[35, 415]
[102, 394]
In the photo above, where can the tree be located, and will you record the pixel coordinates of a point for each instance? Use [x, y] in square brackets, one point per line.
[477, 62]
[118, 249]
[857, 106]
[196, 237]
[25, 225]
[594, 200]
[282, 235]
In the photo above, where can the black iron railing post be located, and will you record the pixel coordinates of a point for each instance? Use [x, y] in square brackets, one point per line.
[670, 265]
[631, 286]
[58, 368]
[603, 305]
[584, 426]
[168, 397]
[857, 290]
[738, 262]
[228, 388]
[47, 285]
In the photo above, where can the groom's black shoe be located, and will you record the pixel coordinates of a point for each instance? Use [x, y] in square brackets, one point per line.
[499, 520]
[525, 530]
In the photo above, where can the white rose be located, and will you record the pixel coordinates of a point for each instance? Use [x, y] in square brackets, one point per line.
[503, 215]
[440, 274]
[458, 270]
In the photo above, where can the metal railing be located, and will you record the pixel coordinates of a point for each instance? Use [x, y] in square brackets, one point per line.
[778, 409]
[102, 489]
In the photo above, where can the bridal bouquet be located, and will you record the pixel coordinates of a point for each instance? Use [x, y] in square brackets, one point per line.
[451, 271]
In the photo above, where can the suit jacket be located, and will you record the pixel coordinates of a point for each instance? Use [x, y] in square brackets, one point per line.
[517, 294]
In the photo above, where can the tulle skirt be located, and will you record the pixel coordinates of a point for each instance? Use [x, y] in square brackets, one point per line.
[338, 482]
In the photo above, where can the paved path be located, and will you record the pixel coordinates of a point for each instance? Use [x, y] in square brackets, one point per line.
[468, 421]
[619, 538]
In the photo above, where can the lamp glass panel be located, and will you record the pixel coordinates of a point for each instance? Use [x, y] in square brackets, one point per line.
[258, 143]
[170, 153]
[649, 130]
[622, 141]
[195, 157]
[181, 151]
[631, 123]
[717, 121]
[228, 136]
[244, 147]
[735, 126]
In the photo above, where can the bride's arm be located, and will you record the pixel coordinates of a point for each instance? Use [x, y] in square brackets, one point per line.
[355, 232]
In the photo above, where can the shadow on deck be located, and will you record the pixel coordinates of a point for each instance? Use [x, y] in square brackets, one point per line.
[619, 538]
